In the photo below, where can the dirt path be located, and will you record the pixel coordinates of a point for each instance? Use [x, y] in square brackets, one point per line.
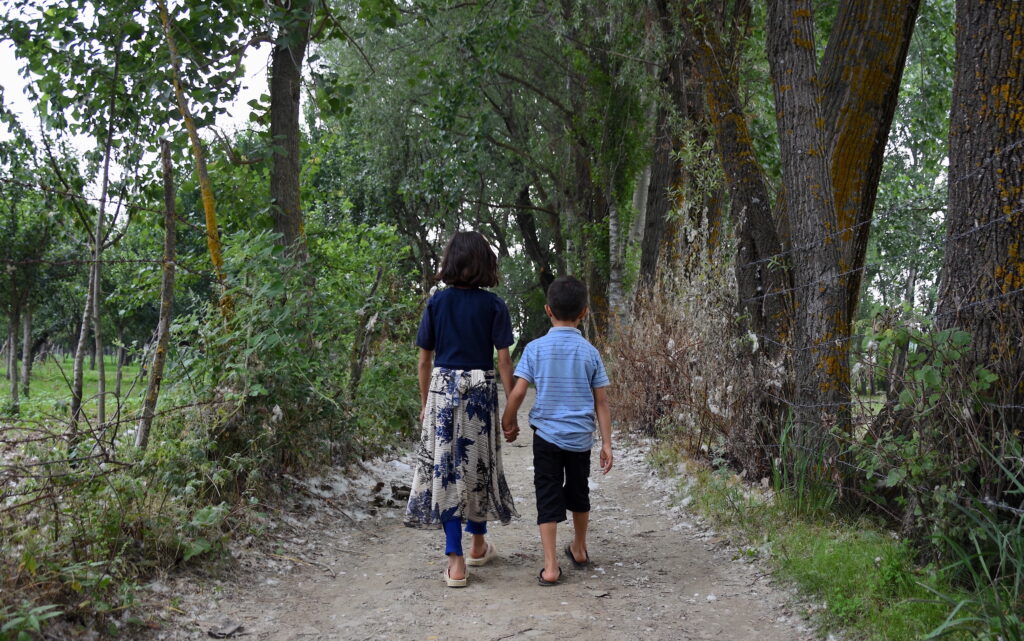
[657, 574]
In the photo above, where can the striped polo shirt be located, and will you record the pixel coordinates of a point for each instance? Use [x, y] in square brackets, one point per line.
[565, 368]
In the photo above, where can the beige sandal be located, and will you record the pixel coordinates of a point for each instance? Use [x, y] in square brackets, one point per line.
[490, 554]
[455, 583]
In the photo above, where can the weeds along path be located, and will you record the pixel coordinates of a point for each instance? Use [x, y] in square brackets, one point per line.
[657, 574]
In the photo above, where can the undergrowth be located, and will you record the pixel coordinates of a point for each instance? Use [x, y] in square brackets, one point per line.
[264, 390]
[865, 576]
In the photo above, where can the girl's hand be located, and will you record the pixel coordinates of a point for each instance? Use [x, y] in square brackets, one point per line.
[423, 412]
[511, 430]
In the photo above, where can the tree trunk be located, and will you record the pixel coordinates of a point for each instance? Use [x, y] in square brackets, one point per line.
[361, 340]
[761, 278]
[101, 370]
[663, 175]
[119, 376]
[26, 349]
[861, 73]
[77, 373]
[523, 214]
[285, 135]
[616, 264]
[203, 176]
[820, 349]
[898, 365]
[12, 359]
[163, 328]
[982, 290]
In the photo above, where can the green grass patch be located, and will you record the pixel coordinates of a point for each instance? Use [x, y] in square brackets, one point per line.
[50, 393]
[866, 577]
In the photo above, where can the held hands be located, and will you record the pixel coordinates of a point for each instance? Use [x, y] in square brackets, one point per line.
[606, 458]
[511, 429]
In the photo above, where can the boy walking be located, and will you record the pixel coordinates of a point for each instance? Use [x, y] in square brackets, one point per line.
[571, 385]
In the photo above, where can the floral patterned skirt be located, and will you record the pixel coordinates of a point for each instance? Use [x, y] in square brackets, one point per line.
[458, 470]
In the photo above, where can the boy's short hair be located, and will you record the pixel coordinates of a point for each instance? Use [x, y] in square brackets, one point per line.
[567, 298]
[469, 261]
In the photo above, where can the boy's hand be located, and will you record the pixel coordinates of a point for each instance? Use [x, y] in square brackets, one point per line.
[511, 430]
[606, 458]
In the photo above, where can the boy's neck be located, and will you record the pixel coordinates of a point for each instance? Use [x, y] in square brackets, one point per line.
[561, 323]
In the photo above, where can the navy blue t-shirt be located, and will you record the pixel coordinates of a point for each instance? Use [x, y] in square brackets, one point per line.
[464, 327]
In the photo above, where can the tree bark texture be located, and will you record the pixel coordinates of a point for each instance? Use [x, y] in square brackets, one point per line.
[982, 288]
[820, 348]
[163, 329]
[861, 74]
[761, 277]
[285, 135]
[616, 261]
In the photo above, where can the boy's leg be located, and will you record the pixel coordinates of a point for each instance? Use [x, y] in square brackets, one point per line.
[578, 547]
[478, 529]
[548, 478]
[548, 534]
[453, 548]
[577, 500]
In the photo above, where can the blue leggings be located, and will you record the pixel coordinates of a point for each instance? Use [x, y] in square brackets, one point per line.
[453, 534]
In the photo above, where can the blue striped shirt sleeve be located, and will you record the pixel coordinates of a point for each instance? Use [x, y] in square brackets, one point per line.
[600, 377]
[524, 369]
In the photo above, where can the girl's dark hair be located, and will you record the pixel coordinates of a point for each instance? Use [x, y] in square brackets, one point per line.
[469, 261]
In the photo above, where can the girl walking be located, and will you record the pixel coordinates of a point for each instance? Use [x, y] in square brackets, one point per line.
[459, 476]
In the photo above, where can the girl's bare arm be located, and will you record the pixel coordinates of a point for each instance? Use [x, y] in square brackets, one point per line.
[423, 370]
[505, 370]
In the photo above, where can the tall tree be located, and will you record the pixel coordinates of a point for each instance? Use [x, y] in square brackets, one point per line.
[832, 126]
[982, 285]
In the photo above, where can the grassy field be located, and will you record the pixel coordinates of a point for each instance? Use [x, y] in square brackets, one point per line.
[50, 392]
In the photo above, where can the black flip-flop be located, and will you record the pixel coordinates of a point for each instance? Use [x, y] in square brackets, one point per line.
[579, 564]
[541, 580]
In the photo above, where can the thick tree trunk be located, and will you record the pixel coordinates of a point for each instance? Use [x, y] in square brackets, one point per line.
[982, 288]
[285, 135]
[820, 349]
[26, 350]
[663, 175]
[761, 278]
[163, 328]
[861, 73]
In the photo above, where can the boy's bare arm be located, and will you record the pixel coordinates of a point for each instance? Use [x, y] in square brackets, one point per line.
[423, 370]
[604, 423]
[505, 370]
